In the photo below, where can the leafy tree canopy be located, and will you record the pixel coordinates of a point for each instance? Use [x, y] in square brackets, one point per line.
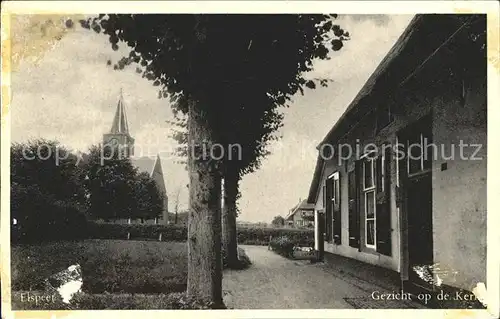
[148, 200]
[278, 221]
[48, 165]
[207, 56]
[109, 183]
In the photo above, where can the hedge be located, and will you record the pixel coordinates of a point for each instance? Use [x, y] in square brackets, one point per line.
[282, 246]
[109, 230]
[103, 230]
[246, 236]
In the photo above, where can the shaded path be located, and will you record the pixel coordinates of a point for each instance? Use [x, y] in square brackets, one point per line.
[274, 282]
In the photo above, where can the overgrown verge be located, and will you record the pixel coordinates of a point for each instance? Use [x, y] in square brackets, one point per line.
[122, 301]
[113, 266]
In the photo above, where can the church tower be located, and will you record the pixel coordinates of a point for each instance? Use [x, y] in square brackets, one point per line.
[118, 137]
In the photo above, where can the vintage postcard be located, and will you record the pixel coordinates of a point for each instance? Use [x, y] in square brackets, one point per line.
[281, 159]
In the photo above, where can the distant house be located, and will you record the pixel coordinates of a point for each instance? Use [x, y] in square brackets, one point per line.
[414, 208]
[301, 215]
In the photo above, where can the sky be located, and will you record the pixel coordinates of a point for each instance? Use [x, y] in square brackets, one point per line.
[63, 89]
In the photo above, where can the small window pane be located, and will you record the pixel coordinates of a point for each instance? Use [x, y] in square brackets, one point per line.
[370, 204]
[370, 232]
[414, 156]
[368, 173]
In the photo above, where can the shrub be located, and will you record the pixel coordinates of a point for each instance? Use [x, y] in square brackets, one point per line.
[283, 246]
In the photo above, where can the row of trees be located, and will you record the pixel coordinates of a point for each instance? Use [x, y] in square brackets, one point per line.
[229, 74]
[46, 175]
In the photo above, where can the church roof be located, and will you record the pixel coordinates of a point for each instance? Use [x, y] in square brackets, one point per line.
[145, 164]
[120, 124]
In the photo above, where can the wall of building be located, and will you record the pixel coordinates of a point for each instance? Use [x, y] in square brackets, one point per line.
[459, 191]
[361, 135]
[299, 221]
[459, 115]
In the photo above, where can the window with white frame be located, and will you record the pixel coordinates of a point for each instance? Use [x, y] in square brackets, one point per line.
[369, 193]
[419, 158]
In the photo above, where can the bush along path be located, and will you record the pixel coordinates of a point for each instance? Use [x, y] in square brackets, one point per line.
[293, 249]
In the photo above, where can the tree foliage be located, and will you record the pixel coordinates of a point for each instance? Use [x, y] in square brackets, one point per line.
[47, 197]
[116, 189]
[49, 165]
[278, 221]
[148, 200]
[109, 183]
[212, 55]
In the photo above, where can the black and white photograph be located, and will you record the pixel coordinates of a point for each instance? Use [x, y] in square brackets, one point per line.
[215, 158]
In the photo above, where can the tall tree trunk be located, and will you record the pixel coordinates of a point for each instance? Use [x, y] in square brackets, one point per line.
[204, 219]
[229, 235]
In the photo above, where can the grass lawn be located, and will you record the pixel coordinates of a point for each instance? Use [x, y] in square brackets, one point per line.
[114, 266]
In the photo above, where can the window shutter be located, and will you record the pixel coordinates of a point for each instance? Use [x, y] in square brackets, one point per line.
[328, 210]
[337, 213]
[383, 219]
[354, 214]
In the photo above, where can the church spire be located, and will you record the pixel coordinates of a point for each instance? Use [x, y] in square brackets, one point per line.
[120, 124]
